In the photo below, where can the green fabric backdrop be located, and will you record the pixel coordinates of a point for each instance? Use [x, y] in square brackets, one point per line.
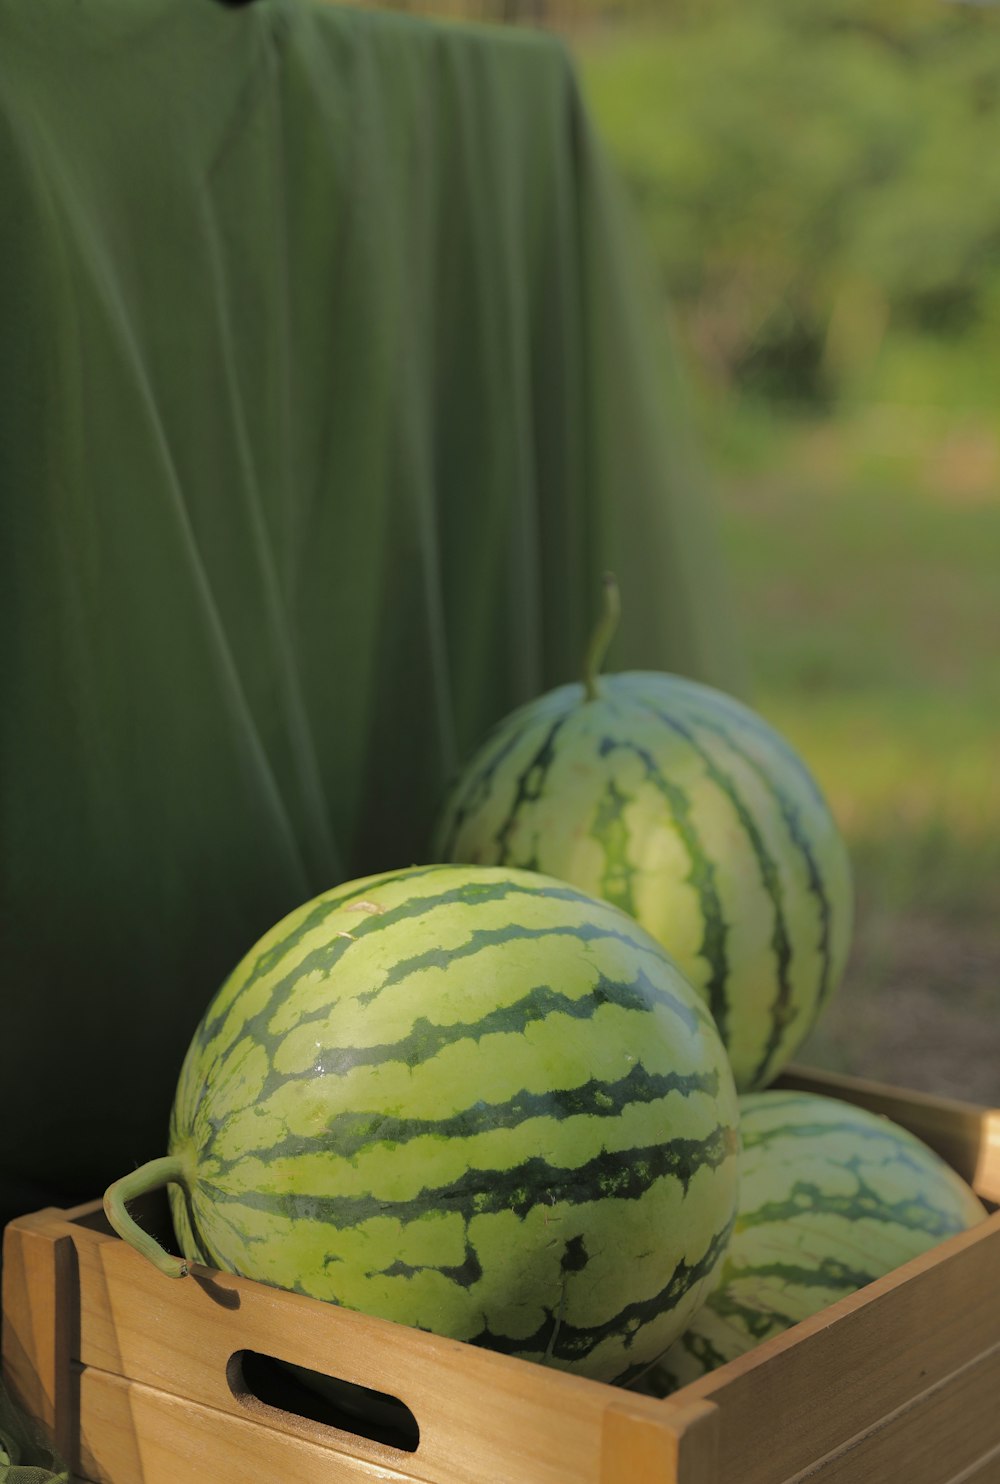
[329, 383]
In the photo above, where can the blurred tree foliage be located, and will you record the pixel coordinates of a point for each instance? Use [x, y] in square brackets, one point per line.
[811, 176]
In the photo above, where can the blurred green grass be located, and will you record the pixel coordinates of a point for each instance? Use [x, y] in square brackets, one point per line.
[870, 619]
[869, 607]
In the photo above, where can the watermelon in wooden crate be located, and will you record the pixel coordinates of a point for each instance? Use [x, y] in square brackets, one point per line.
[142, 1380]
[469, 1099]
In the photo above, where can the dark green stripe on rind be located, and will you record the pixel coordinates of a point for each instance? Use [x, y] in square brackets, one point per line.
[701, 875]
[351, 1134]
[465, 1274]
[323, 958]
[829, 1274]
[566, 1343]
[886, 1133]
[426, 1039]
[832, 1278]
[510, 932]
[782, 1007]
[792, 817]
[611, 1175]
[805, 1198]
[530, 787]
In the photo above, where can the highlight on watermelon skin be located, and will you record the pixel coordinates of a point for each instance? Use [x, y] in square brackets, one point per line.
[686, 809]
[468, 1099]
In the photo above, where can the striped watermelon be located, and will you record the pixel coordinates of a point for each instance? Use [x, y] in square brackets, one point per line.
[468, 1099]
[681, 806]
[831, 1197]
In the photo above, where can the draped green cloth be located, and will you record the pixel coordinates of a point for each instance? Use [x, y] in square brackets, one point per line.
[329, 384]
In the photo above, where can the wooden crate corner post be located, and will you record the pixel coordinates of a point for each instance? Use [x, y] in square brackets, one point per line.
[659, 1442]
[39, 1264]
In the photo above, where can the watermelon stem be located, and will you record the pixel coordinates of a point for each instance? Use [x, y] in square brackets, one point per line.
[155, 1175]
[602, 636]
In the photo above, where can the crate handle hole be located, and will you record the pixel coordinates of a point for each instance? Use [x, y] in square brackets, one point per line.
[256, 1379]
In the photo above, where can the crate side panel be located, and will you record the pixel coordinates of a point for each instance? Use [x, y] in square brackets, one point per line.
[985, 1470]
[480, 1414]
[987, 1176]
[133, 1434]
[838, 1373]
[39, 1312]
[949, 1429]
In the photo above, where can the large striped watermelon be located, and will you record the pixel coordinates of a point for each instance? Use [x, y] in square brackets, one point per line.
[831, 1197]
[471, 1100]
[684, 808]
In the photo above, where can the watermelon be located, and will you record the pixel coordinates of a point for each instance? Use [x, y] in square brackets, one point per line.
[831, 1197]
[468, 1099]
[681, 806]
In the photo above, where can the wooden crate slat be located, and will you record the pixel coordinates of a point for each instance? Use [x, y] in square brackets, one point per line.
[895, 1382]
[985, 1470]
[39, 1285]
[134, 1434]
[142, 1434]
[847, 1367]
[950, 1427]
[178, 1336]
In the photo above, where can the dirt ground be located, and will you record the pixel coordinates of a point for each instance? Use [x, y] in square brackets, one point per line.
[919, 1007]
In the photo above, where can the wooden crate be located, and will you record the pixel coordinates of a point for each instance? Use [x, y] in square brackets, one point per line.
[143, 1380]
